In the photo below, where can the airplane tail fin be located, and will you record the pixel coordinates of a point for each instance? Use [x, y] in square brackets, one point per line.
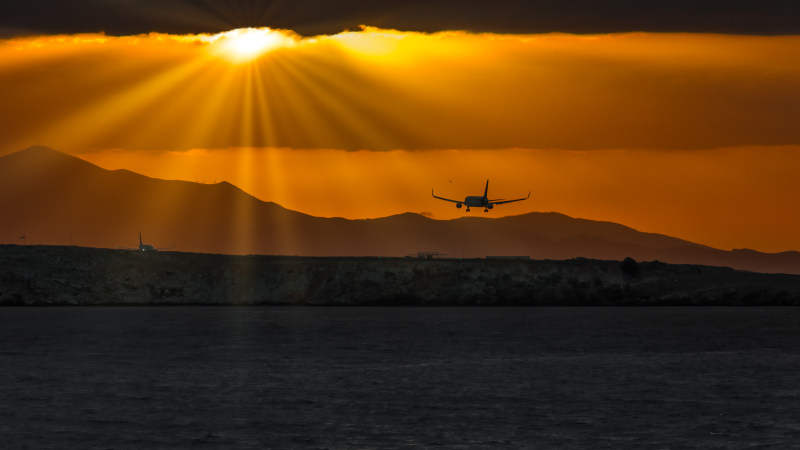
[486, 191]
[140, 238]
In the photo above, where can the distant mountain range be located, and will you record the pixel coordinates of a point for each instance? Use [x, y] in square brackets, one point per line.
[53, 198]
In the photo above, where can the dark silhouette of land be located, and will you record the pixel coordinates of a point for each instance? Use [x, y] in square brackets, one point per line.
[60, 275]
[56, 199]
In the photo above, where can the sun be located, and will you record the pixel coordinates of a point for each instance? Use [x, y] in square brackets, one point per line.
[247, 44]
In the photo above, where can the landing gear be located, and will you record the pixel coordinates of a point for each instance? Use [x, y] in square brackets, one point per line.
[467, 208]
[486, 210]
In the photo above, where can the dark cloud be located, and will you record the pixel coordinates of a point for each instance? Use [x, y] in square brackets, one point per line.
[310, 17]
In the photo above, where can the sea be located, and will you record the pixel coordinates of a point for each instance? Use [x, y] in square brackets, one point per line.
[396, 377]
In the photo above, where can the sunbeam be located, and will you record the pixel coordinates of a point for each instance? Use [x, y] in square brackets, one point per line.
[464, 101]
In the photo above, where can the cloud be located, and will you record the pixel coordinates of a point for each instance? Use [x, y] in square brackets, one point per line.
[378, 89]
[312, 17]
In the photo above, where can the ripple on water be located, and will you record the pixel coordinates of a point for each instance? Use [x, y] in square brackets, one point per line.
[399, 377]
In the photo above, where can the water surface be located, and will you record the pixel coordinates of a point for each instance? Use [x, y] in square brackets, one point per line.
[223, 377]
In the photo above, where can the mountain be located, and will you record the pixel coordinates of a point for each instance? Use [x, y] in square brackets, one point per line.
[53, 198]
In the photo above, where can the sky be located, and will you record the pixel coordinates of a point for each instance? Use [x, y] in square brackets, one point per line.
[313, 17]
[671, 117]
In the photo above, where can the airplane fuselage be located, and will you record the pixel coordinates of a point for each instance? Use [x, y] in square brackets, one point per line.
[474, 200]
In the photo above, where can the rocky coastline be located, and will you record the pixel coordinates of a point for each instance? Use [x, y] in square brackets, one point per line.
[56, 275]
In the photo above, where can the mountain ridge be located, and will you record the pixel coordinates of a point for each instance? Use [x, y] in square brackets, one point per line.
[57, 199]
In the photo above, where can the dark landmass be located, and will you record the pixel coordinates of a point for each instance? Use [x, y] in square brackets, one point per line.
[51, 275]
[56, 199]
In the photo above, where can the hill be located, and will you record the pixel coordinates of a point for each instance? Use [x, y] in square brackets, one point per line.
[56, 199]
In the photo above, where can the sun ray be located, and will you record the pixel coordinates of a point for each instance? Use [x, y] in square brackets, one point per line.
[365, 118]
[211, 115]
[111, 114]
[382, 90]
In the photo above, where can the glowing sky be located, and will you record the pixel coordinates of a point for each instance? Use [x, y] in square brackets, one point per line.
[692, 135]
[387, 90]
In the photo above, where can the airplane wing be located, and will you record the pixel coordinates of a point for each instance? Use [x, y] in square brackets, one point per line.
[446, 199]
[514, 200]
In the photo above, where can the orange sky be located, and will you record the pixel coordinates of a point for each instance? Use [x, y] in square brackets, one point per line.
[387, 90]
[727, 198]
[692, 135]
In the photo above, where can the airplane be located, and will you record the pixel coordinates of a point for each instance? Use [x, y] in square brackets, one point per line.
[145, 247]
[475, 200]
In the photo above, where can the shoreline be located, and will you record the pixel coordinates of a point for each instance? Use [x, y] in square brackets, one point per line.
[61, 276]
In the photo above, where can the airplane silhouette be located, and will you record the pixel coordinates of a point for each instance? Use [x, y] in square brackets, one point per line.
[477, 200]
[145, 247]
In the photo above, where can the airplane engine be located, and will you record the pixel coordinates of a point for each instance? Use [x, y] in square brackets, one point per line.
[490, 206]
[458, 205]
